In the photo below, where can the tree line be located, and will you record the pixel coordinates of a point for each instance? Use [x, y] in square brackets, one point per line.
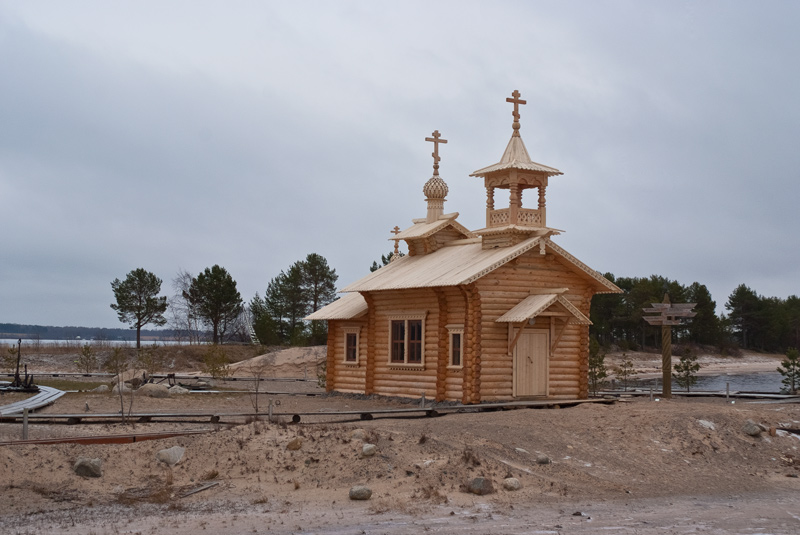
[752, 321]
[208, 306]
[208, 300]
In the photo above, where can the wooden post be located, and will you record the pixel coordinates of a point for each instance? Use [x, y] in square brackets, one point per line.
[666, 361]
[668, 315]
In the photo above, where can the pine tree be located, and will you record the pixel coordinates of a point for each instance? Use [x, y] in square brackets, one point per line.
[686, 370]
[137, 301]
[215, 300]
[790, 369]
[625, 372]
[305, 287]
[597, 367]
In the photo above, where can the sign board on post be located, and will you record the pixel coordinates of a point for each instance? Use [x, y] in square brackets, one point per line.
[668, 315]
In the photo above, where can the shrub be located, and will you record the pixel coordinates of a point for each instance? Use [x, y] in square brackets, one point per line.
[790, 369]
[686, 370]
[216, 362]
[625, 372]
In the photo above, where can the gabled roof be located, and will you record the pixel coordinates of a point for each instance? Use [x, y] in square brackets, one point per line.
[611, 288]
[532, 306]
[422, 229]
[461, 263]
[516, 157]
[347, 307]
[452, 265]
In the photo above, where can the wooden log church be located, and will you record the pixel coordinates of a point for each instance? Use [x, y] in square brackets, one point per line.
[499, 313]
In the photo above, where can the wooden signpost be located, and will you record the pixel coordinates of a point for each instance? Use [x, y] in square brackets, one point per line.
[668, 315]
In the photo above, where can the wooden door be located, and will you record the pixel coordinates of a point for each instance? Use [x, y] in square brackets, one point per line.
[531, 357]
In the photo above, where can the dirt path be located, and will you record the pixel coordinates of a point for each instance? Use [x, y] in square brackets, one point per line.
[681, 466]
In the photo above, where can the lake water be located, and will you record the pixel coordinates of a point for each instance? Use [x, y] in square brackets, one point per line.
[81, 343]
[753, 382]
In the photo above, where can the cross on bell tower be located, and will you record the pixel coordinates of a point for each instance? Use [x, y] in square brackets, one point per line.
[515, 172]
[514, 99]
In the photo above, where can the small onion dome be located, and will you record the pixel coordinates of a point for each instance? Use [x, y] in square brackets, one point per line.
[435, 188]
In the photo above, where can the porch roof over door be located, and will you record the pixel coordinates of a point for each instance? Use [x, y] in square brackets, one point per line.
[533, 305]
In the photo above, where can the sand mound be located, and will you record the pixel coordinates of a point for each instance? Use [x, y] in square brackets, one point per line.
[292, 362]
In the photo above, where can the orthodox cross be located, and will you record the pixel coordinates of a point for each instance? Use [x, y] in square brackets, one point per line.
[668, 315]
[396, 231]
[435, 139]
[516, 101]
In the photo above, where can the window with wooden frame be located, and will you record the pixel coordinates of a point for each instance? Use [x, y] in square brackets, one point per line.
[456, 336]
[407, 340]
[351, 341]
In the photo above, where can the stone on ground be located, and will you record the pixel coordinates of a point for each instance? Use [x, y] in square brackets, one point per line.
[154, 390]
[126, 388]
[295, 444]
[358, 434]
[360, 492]
[511, 483]
[368, 450]
[86, 467]
[481, 486]
[171, 456]
[751, 428]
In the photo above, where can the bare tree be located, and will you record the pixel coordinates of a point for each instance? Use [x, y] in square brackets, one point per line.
[183, 319]
[258, 368]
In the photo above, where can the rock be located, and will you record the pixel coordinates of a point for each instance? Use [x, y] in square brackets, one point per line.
[177, 390]
[543, 459]
[481, 486]
[358, 434]
[511, 483]
[126, 388]
[171, 456]
[129, 375]
[154, 390]
[86, 467]
[360, 492]
[101, 388]
[751, 428]
[295, 444]
[368, 450]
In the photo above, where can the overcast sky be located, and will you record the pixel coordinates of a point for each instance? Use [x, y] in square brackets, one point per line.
[181, 134]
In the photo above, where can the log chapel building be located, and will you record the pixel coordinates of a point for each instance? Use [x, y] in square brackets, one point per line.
[498, 313]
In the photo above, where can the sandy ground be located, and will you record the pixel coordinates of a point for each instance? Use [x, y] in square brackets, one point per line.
[648, 365]
[680, 466]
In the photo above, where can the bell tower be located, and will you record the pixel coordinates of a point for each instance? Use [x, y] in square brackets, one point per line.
[515, 172]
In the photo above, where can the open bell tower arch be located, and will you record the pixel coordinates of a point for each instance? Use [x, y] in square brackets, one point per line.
[515, 172]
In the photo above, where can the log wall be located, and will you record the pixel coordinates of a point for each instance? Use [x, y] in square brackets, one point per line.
[503, 289]
[487, 367]
[346, 376]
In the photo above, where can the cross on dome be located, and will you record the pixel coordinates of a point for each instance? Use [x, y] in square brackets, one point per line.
[516, 101]
[435, 139]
